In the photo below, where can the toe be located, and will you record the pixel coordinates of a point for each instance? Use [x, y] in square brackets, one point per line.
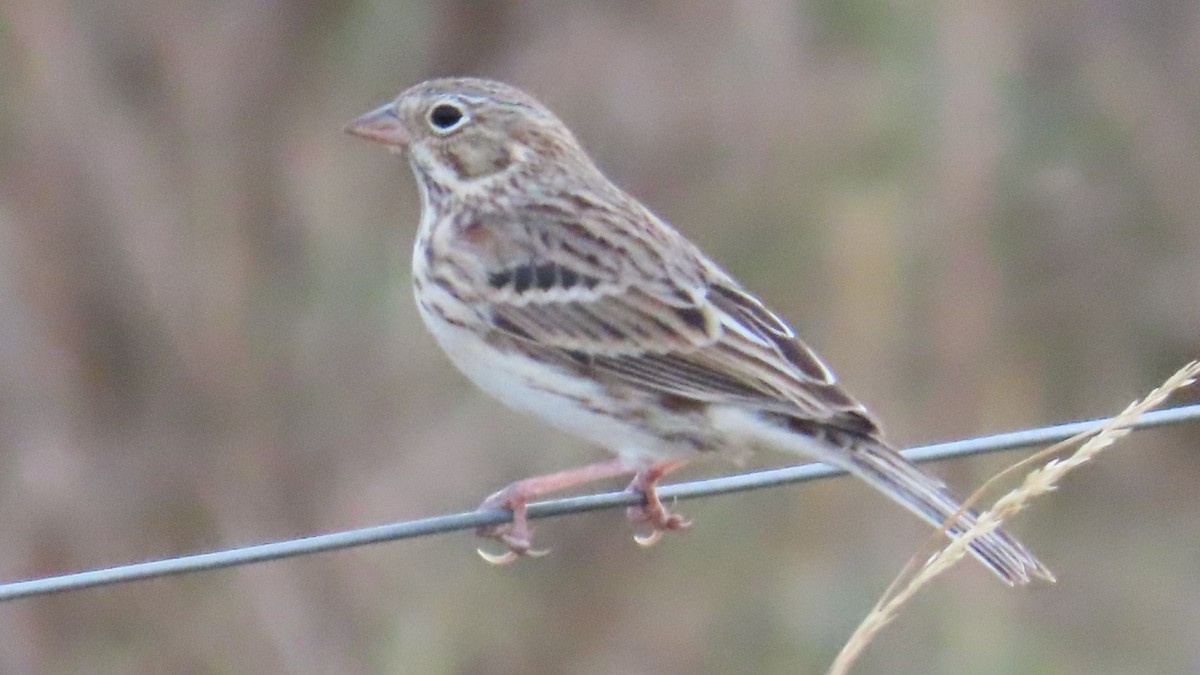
[505, 558]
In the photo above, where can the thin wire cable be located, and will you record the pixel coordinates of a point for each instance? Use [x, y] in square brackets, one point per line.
[559, 507]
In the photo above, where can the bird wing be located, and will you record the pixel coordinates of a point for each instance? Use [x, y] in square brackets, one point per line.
[667, 323]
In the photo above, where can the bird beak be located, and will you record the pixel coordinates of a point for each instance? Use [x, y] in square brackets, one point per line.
[381, 125]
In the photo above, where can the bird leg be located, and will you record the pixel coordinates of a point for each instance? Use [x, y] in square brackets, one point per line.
[653, 512]
[517, 535]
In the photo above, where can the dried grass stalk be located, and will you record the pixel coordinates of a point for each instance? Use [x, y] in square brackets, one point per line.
[1037, 482]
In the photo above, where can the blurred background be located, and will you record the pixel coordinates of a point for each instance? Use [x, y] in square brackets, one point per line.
[984, 214]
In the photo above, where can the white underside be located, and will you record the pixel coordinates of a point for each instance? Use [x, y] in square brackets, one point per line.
[507, 377]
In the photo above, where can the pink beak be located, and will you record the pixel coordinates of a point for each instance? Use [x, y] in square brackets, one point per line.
[381, 125]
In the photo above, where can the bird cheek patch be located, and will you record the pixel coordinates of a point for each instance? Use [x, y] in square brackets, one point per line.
[478, 160]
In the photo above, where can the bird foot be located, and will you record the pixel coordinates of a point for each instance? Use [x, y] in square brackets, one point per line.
[516, 536]
[653, 512]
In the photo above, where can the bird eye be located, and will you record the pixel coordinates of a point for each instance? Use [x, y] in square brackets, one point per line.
[446, 117]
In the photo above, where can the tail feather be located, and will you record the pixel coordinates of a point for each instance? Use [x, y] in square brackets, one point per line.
[926, 496]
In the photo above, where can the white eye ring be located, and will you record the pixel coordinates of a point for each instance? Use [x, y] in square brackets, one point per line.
[447, 116]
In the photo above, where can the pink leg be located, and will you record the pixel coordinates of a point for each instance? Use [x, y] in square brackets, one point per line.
[517, 535]
[653, 512]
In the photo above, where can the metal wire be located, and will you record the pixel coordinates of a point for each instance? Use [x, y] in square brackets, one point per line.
[473, 519]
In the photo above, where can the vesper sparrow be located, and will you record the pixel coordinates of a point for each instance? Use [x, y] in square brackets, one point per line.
[562, 296]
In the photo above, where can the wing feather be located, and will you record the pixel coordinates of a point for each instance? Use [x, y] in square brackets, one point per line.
[686, 330]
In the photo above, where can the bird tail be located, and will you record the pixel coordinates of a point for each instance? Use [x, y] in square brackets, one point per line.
[888, 471]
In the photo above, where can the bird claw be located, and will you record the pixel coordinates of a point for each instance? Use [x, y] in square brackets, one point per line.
[497, 560]
[510, 556]
[648, 540]
[658, 517]
[516, 536]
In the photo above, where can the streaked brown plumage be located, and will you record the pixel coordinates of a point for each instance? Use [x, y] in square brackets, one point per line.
[563, 296]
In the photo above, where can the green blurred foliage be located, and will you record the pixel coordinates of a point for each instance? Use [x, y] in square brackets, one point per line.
[984, 214]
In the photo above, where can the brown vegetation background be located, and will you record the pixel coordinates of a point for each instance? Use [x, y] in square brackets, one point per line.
[986, 215]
